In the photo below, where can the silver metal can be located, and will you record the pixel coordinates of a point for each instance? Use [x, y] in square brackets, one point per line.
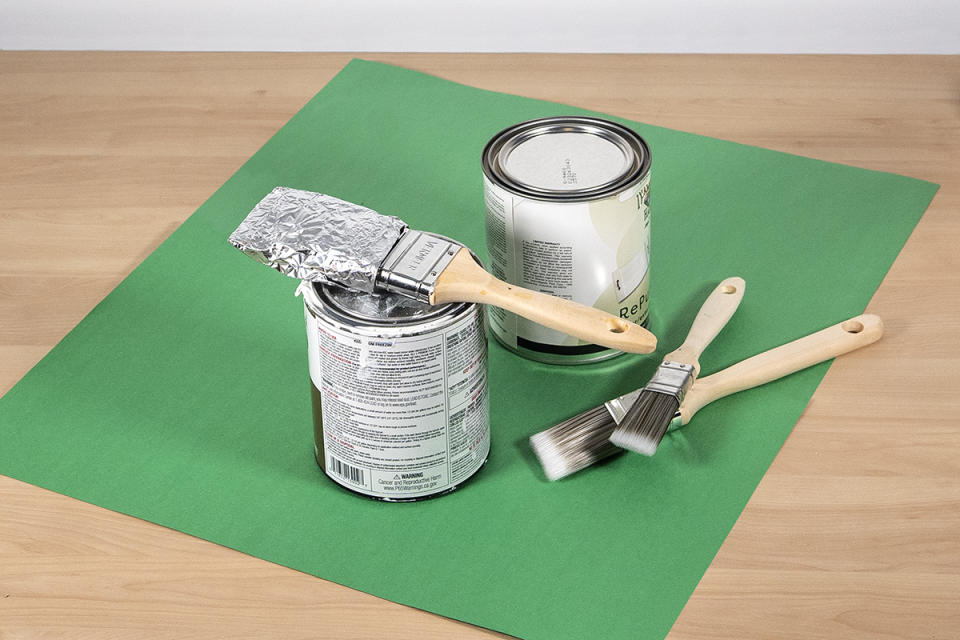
[399, 392]
[568, 214]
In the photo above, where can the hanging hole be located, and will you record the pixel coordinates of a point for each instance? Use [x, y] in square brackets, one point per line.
[852, 326]
[616, 325]
[728, 288]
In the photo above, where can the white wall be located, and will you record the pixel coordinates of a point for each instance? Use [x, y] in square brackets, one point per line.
[748, 26]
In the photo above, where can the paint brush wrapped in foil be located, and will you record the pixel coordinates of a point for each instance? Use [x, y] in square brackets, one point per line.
[318, 238]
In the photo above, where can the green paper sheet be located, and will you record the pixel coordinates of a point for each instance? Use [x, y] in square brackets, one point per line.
[183, 397]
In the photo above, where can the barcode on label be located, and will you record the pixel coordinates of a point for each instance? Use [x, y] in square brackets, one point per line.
[347, 472]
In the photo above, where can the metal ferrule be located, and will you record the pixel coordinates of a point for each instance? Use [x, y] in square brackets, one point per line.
[618, 407]
[672, 378]
[413, 265]
[676, 422]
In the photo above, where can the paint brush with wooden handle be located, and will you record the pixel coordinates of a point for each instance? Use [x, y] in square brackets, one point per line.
[319, 238]
[648, 418]
[583, 440]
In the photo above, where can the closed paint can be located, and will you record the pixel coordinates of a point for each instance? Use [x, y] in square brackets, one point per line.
[568, 214]
[399, 392]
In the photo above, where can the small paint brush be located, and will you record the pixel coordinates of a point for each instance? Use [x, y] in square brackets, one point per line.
[580, 441]
[584, 439]
[316, 237]
[647, 420]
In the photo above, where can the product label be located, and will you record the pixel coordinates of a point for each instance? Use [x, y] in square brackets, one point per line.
[595, 253]
[402, 417]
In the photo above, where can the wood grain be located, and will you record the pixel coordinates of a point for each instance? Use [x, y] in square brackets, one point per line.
[853, 533]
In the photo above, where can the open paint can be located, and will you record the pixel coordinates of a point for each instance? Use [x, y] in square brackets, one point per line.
[568, 214]
[399, 391]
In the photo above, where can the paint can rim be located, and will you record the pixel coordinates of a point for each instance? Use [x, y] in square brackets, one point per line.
[497, 152]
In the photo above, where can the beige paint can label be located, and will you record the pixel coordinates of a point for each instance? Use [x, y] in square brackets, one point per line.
[595, 252]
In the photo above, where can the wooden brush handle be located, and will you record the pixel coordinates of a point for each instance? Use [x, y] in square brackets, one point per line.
[716, 311]
[767, 366]
[463, 280]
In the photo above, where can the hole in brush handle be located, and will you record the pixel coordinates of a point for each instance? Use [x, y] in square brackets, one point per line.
[852, 326]
[616, 325]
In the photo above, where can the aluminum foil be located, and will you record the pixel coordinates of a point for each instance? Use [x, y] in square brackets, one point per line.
[319, 238]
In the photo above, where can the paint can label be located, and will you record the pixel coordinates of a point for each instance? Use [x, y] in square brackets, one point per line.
[402, 417]
[596, 253]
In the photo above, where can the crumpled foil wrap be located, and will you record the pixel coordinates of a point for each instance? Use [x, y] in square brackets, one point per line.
[319, 238]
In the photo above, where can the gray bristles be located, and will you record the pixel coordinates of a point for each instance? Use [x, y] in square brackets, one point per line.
[644, 425]
[575, 443]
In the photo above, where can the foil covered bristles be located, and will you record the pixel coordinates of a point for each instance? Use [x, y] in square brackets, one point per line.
[319, 238]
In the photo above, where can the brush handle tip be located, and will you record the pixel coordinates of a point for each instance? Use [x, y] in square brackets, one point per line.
[713, 316]
[791, 357]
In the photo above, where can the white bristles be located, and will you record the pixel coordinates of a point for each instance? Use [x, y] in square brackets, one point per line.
[645, 424]
[575, 443]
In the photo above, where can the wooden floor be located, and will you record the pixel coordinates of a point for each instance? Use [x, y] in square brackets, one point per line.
[853, 533]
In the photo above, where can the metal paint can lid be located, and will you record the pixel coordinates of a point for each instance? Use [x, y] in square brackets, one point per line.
[381, 309]
[566, 158]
